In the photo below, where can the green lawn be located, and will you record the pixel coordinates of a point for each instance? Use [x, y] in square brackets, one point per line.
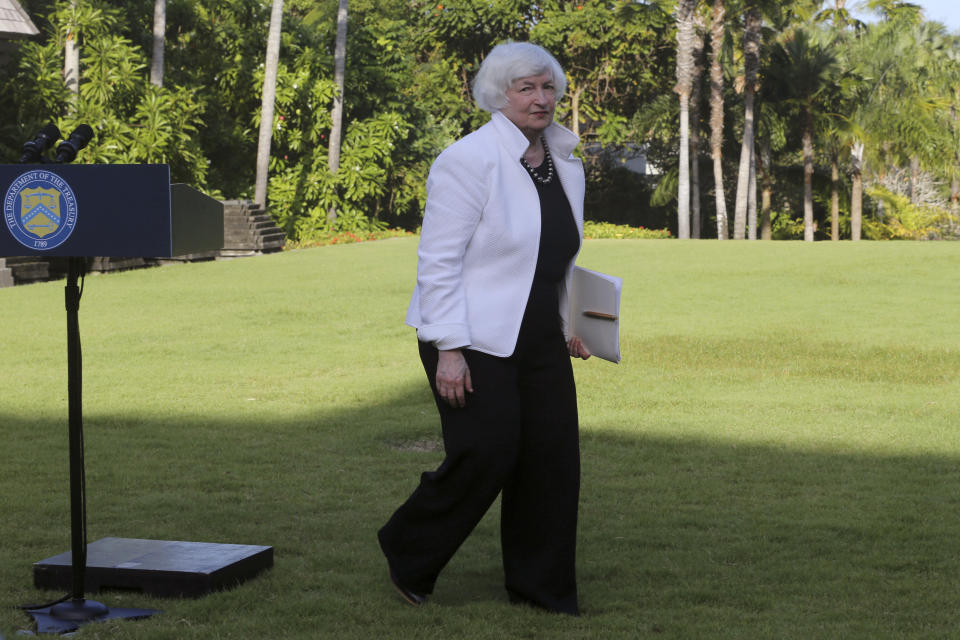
[777, 456]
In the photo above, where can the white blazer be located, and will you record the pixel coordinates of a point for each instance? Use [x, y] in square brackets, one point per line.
[481, 235]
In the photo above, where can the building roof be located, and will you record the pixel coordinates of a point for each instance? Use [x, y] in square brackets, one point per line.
[14, 21]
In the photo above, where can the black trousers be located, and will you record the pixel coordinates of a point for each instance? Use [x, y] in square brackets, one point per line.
[518, 435]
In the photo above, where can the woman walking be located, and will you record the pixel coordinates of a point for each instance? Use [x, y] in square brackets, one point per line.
[501, 231]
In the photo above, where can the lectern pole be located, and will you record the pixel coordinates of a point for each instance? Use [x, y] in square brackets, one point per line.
[75, 425]
[69, 614]
[77, 608]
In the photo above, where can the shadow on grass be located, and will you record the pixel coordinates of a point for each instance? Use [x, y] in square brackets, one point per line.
[676, 536]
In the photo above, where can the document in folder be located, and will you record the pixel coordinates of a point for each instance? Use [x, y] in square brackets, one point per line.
[595, 312]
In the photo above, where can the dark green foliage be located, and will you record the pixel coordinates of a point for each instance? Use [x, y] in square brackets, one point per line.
[617, 58]
[133, 121]
[407, 94]
[621, 196]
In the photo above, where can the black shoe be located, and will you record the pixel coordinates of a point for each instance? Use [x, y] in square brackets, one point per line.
[413, 598]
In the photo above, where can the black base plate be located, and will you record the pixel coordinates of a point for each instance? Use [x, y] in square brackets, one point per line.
[161, 568]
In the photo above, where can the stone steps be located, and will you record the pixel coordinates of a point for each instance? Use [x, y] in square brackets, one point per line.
[249, 230]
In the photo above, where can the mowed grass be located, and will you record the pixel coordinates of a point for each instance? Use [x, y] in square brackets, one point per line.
[777, 456]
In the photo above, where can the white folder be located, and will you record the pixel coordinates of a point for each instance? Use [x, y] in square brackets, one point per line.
[595, 312]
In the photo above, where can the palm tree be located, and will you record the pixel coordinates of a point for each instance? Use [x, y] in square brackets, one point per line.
[804, 69]
[685, 69]
[752, 196]
[856, 190]
[159, 32]
[764, 159]
[695, 127]
[336, 112]
[954, 129]
[716, 114]
[891, 108]
[71, 57]
[951, 78]
[838, 14]
[872, 55]
[838, 130]
[339, 69]
[267, 103]
[751, 64]
[918, 140]
[834, 150]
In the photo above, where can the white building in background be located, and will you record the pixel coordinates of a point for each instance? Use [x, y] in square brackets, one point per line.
[15, 24]
[638, 164]
[629, 156]
[14, 21]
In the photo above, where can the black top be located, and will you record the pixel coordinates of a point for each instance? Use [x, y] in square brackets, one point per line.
[559, 241]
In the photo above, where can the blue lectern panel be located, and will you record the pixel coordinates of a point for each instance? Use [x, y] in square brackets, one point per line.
[85, 210]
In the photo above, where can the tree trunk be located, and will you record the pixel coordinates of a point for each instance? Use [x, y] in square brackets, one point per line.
[716, 116]
[575, 110]
[159, 33]
[766, 179]
[914, 179]
[336, 112]
[752, 196]
[751, 62]
[834, 197]
[695, 170]
[766, 233]
[856, 192]
[685, 42]
[955, 195]
[339, 69]
[267, 103]
[743, 175]
[695, 221]
[71, 58]
[808, 228]
[683, 190]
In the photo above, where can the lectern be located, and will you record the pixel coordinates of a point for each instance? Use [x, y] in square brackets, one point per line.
[104, 210]
[80, 211]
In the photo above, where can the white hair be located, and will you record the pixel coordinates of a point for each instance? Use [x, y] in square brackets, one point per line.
[508, 62]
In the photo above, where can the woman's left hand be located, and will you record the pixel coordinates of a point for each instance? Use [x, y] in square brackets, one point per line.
[577, 349]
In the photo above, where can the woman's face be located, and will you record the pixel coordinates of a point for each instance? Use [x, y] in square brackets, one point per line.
[530, 104]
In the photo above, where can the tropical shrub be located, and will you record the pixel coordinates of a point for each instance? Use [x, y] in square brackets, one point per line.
[902, 220]
[609, 231]
[133, 121]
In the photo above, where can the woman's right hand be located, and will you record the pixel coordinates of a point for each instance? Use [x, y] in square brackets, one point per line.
[577, 349]
[453, 378]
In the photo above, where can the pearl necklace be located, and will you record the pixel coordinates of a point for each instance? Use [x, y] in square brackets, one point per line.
[546, 157]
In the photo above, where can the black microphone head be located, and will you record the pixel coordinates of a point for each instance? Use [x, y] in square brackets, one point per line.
[82, 135]
[50, 134]
[33, 149]
[68, 149]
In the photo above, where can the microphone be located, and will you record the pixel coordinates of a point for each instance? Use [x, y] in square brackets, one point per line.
[68, 149]
[33, 150]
